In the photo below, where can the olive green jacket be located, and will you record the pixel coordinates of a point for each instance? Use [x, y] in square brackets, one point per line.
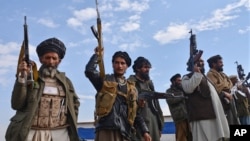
[25, 100]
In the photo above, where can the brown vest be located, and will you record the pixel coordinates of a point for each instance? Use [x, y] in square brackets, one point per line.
[199, 103]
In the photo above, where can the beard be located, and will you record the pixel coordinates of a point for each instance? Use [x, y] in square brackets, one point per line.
[145, 76]
[220, 69]
[178, 86]
[202, 69]
[48, 71]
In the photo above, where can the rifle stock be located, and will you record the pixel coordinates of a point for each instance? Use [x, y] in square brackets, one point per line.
[98, 35]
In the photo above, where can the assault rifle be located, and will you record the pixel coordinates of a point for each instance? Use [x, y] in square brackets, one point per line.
[26, 52]
[24, 56]
[241, 75]
[98, 35]
[194, 53]
[157, 95]
[240, 71]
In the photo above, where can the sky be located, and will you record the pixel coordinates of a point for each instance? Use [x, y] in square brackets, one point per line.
[155, 29]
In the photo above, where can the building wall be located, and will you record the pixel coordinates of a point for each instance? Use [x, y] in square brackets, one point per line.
[86, 130]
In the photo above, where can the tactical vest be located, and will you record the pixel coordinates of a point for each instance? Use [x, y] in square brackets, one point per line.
[106, 97]
[52, 109]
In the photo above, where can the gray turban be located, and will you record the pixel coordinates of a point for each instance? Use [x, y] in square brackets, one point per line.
[51, 45]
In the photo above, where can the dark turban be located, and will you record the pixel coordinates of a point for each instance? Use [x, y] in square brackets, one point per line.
[173, 78]
[123, 55]
[139, 62]
[51, 45]
[213, 59]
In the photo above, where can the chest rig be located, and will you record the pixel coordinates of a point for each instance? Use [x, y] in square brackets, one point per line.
[52, 109]
[106, 97]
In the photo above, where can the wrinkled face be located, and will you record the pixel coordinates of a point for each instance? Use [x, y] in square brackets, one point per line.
[119, 66]
[143, 72]
[50, 59]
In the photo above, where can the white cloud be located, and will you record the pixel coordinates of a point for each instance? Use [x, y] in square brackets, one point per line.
[73, 22]
[130, 26]
[79, 17]
[85, 14]
[133, 6]
[48, 22]
[248, 5]
[9, 48]
[172, 33]
[220, 18]
[243, 31]
[9, 54]
[131, 46]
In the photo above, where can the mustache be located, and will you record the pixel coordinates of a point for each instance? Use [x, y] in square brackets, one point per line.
[48, 71]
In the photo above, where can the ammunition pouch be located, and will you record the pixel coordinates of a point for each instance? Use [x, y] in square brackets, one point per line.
[106, 98]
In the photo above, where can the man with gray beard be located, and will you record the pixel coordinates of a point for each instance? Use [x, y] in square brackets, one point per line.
[46, 109]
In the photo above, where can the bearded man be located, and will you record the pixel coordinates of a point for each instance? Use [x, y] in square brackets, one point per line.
[150, 109]
[223, 85]
[178, 110]
[47, 109]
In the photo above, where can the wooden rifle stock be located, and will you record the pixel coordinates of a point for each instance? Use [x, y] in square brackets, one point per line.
[98, 35]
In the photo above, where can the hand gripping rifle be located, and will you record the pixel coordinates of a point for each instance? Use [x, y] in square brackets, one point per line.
[194, 53]
[241, 75]
[98, 35]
